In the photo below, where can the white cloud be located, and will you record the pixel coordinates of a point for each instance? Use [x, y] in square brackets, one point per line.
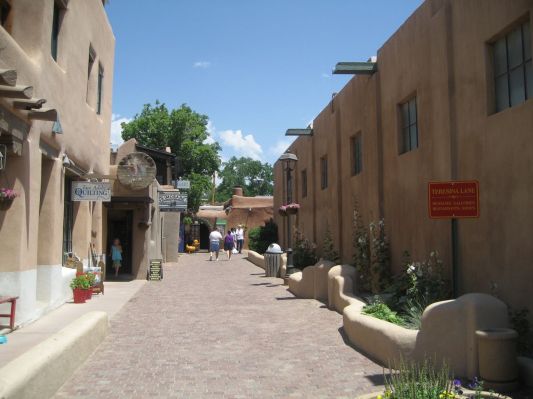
[243, 145]
[280, 147]
[201, 64]
[326, 76]
[211, 130]
[116, 129]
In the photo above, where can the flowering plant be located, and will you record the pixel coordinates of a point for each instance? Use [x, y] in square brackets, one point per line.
[7, 194]
[288, 209]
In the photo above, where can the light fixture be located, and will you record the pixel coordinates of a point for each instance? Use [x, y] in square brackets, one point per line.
[66, 160]
[3, 156]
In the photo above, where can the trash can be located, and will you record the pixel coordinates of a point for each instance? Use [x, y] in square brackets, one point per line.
[273, 260]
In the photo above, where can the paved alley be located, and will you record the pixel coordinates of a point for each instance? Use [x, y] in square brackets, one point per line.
[222, 330]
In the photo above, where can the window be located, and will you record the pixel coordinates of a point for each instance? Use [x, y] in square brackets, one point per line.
[90, 88]
[513, 72]
[324, 172]
[409, 126]
[5, 11]
[99, 88]
[304, 183]
[357, 154]
[56, 25]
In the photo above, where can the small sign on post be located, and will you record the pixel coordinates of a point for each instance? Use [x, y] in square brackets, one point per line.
[453, 199]
[155, 271]
[183, 184]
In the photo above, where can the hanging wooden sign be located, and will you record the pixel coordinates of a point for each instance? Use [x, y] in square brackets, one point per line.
[136, 170]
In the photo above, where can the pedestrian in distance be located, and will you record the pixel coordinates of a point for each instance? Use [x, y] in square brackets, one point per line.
[240, 238]
[214, 243]
[116, 255]
[229, 243]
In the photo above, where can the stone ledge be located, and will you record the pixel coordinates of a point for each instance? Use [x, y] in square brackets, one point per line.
[41, 371]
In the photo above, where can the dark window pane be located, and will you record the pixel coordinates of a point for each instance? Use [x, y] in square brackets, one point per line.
[55, 31]
[526, 31]
[406, 141]
[502, 93]
[514, 48]
[517, 86]
[412, 111]
[413, 137]
[5, 9]
[500, 57]
[405, 114]
[529, 79]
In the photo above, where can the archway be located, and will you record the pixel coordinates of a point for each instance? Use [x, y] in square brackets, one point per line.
[204, 231]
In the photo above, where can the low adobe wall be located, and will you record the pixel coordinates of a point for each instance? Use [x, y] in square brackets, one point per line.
[447, 333]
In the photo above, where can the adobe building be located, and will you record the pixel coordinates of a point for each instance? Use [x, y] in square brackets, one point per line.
[56, 69]
[449, 97]
[250, 212]
[134, 214]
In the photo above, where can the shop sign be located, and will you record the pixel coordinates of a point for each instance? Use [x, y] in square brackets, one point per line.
[155, 271]
[172, 201]
[136, 170]
[89, 191]
[453, 199]
[183, 184]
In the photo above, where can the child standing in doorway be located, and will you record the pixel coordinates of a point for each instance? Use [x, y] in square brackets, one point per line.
[116, 255]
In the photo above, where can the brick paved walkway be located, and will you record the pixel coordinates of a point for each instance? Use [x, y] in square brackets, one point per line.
[221, 330]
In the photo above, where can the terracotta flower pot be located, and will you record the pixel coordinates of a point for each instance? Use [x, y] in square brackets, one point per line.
[79, 295]
[88, 294]
[292, 211]
[282, 213]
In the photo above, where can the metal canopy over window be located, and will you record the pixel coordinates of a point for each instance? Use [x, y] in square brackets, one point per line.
[355, 68]
[299, 132]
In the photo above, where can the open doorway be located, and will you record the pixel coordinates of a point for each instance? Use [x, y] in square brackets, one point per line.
[119, 225]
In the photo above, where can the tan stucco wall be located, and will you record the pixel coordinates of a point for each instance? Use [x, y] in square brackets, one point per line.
[85, 135]
[441, 54]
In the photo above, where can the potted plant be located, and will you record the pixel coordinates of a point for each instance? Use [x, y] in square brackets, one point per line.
[91, 278]
[187, 221]
[7, 196]
[79, 292]
[292, 209]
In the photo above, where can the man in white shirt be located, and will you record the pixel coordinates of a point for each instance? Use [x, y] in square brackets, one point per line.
[240, 238]
[214, 243]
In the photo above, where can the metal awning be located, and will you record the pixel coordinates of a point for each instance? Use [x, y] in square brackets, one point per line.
[299, 132]
[355, 68]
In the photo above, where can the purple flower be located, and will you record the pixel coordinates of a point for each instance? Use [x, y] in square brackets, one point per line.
[457, 383]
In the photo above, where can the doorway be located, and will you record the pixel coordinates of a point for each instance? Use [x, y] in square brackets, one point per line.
[119, 225]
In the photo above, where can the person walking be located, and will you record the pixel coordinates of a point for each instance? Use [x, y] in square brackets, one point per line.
[214, 243]
[229, 243]
[240, 238]
[116, 255]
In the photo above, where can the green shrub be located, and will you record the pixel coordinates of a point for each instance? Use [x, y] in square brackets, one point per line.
[418, 381]
[328, 248]
[380, 310]
[261, 237]
[304, 251]
[520, 323]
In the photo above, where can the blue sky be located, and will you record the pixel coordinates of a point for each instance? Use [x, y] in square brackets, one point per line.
[255, 68]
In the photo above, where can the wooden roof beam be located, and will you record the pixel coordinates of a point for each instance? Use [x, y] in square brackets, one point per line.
[34, 103]
[16, 91]
[8, 77]
[49, 114]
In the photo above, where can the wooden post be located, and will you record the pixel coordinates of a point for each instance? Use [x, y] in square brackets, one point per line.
[34, 103]
[44, 115]
[8, 77]
[16, 91]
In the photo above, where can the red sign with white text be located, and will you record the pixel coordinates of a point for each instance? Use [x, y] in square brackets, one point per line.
[453, 199]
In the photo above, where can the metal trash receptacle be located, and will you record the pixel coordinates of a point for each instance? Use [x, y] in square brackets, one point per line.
[273, 260]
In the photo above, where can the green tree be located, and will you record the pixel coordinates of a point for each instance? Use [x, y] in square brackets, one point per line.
[255, 177]
[185, 132]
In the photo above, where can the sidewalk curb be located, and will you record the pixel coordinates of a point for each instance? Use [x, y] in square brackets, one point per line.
[43, 369]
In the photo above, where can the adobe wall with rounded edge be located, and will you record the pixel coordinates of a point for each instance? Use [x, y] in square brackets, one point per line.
[256, 217]
[447, 333]
[40, 372]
